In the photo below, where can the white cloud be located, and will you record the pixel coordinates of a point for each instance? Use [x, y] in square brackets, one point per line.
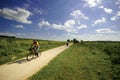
[19, 26]
[105, 30]
[57, 26]
[39, 11]
[19, 15]
[93, 3]
[82, 26]
[104, 37]
[118, 13]
[47, 24]
[78, 14]
[113, 18]
[95, 37]
[101, 6]
[117, 16]
[69, 23]
[107, 10]
[69, 26]
[44, 23]
[102, 20]
[12, 34]
[118, 2]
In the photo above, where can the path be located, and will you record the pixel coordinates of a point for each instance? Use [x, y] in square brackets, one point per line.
[22, 69]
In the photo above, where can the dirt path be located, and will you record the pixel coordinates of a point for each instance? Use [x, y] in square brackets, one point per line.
[22, 69]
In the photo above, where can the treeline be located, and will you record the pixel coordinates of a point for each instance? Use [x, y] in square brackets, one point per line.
[74, 41]
[104, 41]
[82, 41]
[4, 36]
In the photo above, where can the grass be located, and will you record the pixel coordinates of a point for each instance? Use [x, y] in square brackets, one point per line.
[87, 61]
[15, 48]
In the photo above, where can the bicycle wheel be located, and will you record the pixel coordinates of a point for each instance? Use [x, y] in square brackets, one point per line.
[30, 56]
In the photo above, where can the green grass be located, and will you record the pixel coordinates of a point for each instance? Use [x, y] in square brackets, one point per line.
[86, 61]
[15, 48]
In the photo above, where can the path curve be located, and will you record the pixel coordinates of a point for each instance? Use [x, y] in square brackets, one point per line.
[22, 69]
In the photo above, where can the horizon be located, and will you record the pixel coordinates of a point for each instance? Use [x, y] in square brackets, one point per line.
[5, 36]
[87, 20]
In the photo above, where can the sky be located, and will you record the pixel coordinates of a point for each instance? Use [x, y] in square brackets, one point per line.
[88, 20]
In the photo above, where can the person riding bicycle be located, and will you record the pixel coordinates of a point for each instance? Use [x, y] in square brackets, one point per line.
[67, 43]
[35, 46]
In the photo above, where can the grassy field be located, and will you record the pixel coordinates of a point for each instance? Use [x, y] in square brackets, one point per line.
[87, 61]
[15, 48]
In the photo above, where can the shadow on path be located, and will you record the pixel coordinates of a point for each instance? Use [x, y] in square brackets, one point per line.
[21, 61]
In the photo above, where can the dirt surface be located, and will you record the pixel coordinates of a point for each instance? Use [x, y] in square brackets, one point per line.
[22, 69]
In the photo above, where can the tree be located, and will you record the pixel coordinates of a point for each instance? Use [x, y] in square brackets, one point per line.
[75, 41]
[68, 40]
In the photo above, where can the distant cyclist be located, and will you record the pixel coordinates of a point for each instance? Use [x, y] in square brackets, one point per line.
[67, 43]
[35, 46]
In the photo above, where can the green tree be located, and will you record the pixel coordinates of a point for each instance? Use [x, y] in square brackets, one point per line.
[68, 40]
[75, 41]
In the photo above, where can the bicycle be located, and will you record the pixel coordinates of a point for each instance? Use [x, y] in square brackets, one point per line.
[31, 54]
[67, 44]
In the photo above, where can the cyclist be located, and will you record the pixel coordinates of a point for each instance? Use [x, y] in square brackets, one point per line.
[35, 46]
[67, 43]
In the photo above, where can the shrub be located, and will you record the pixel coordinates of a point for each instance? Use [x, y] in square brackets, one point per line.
[107, 51]
[115, 59]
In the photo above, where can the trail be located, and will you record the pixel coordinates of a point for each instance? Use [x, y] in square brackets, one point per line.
[22, 69]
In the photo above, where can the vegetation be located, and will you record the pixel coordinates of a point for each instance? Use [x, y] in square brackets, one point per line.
[75, 41]
[87, 61]
[12, 48]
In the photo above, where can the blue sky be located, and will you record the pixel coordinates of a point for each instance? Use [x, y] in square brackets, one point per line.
[61, 19]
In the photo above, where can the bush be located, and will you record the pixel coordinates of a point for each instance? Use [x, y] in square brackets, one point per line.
[113, 52]
[115, 59]
[107, 51]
